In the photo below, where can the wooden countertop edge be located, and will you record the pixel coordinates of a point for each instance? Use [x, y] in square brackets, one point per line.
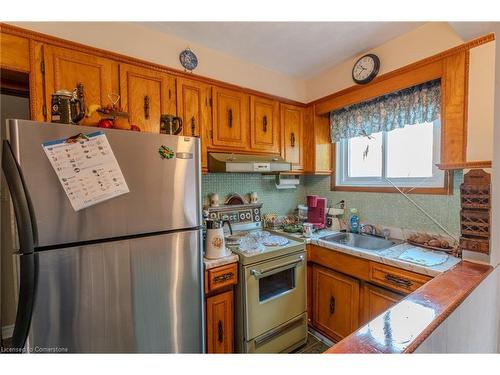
[474, 274]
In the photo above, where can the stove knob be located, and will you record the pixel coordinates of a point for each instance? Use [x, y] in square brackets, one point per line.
[247, 215]
[242, 216]
[225, 217]
[255, 210]
[257, 218]
[213, 215]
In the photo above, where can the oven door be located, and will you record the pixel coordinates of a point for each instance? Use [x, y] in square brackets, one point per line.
[275, 292]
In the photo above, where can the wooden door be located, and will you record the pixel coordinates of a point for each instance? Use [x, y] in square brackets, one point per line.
[146, 94]
[220, 329]
[336, 303]
[193, 106]
[230, 119]
[292, 119]
[376, 300]
[65, 68]
[264, 125]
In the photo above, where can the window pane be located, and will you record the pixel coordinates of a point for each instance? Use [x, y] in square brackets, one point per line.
[409, 151]
[365, 156]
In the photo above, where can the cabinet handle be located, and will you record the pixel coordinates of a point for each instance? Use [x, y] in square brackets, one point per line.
[223, 277]
[193, 126]
[264, 124]
[230, 118]
[220, 333]
[292, 139]
[398, 280]
[332, 305]
[146, 106]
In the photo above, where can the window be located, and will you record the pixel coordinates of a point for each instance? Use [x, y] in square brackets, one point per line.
[404, 157]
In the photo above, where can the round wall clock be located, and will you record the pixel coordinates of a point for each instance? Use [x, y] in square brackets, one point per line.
[188, 59]
[366, 68]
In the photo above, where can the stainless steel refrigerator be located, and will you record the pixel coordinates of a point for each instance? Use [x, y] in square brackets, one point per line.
[122, 276]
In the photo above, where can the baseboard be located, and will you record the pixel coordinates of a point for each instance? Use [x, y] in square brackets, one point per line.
[7, 331]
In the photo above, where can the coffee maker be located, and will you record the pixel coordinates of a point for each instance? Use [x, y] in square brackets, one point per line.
[316, 211]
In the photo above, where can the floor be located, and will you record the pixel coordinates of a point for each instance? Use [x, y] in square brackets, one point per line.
[314, 345]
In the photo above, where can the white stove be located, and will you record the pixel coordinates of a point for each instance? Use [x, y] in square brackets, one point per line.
[271, 293]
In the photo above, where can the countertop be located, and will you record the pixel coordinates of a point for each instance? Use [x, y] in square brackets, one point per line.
[212, 263]
[388, 256]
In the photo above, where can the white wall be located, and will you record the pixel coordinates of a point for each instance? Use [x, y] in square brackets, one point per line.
[424, 41]
[134, 40]
[473, 326]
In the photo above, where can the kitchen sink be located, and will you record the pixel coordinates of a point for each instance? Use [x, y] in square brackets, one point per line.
[360, 241]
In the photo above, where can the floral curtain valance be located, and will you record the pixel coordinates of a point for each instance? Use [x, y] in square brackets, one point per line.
[414, 105]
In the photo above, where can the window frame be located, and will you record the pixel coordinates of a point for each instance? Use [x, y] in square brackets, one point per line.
[341, 182]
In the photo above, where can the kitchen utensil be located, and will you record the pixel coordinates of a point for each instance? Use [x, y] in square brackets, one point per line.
[215, 244]
[170, 124]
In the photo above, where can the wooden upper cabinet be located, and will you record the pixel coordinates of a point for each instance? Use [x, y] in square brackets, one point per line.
[146, 94]
[65, 68]
[292, 121]
[230, 119]
[220, 325]
[375, 301]
[14, 52]
[336, 303]
[193, 106]
[264, 125]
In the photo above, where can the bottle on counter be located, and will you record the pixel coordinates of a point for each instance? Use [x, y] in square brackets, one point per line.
[354, 221]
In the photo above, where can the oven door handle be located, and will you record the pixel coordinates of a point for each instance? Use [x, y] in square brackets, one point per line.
[261, 273]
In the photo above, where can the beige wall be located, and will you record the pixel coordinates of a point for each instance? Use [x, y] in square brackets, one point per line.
[134, 40]
[481, 102]
[424, 41]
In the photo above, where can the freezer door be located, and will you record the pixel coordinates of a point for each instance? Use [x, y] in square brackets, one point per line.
[164, 193]
[142, 295]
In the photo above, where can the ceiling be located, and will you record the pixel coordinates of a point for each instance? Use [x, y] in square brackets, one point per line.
[299, 49]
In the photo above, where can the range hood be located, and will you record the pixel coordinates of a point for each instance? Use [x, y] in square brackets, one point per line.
[220, 162]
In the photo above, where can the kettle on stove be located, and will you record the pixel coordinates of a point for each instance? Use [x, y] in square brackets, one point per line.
[215, 244]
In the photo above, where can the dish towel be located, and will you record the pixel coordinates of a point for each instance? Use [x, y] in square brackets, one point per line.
[423, 257]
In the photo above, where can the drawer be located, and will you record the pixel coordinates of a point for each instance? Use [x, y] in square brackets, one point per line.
[220, 277]
[396, 279]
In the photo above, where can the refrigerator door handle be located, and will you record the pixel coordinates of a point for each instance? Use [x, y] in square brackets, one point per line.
[27, 233]
[23, 209]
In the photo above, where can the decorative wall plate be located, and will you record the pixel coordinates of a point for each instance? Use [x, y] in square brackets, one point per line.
[188, 59]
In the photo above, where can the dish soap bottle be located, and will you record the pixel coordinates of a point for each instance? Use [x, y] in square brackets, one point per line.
[354, 220]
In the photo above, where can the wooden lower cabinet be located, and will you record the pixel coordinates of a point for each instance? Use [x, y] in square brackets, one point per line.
[336, 302]
[220, 324]
[375, 301]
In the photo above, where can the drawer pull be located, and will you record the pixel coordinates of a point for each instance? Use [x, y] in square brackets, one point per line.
[398, 280]
[332, 305]
[223, 277]
[292, 139]
[264, 124]
[220, 333]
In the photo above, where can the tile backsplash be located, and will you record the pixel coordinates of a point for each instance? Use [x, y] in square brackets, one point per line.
[385, 209]
[273, 200]
[393, 209]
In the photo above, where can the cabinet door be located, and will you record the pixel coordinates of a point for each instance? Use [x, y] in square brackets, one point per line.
[65, 68]
[376, 300]
[292, 118]
[220, 323]
[193, 106]
[336, 303]
[146, 95]
[230, 119]
[264, 125]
